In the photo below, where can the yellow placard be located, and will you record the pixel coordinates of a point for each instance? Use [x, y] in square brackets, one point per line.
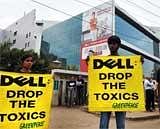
[25, 100]
[115, 83]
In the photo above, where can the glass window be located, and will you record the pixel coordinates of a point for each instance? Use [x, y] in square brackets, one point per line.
[29, 34]
[124, 52]
[132, 35]
[25, 45]
[26, 35]
[14, 41]
[148, 66]
[28, 44]
[15, 33]
[65, 40]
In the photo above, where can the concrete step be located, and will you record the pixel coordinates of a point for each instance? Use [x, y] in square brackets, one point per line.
[132, 115]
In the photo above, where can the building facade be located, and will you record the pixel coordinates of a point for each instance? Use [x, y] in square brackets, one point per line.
[137, 40]
[26, 33]
[66, 39]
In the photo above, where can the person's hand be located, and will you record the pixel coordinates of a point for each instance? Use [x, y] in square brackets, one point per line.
[142, 59]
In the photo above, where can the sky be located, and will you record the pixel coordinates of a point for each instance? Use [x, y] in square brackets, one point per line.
[146, 12]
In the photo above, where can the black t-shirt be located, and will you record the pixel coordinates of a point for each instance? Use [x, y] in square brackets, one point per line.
[71, 83]
[80, 82]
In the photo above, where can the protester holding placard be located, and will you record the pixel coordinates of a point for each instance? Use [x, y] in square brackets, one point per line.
[26, 63]
[114, 43]
[24, 98]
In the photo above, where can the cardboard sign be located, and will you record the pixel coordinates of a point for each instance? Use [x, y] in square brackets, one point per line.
[25, 100]
[115, 83]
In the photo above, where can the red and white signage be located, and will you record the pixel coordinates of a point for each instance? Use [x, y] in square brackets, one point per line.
[97, 26]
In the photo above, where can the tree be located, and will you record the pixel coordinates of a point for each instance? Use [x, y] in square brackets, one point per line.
[72, 67]
[10, 59]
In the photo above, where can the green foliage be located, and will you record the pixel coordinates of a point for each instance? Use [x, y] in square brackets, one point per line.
[10, 59]
[72, 67]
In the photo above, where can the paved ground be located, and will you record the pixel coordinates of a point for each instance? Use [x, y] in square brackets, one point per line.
[74, 118]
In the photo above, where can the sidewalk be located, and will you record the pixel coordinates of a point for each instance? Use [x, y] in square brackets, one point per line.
[133, 115]
[143, 115]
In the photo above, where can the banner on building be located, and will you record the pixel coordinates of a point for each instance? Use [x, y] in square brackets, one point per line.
[97, 26]
[25, 100]
[116, 83]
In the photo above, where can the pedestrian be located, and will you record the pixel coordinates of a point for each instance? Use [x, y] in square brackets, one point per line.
[158, 88]
[71, 85]
[26, 63]
[114, 43]
[155, 89]
[149, 91]
[80, 91]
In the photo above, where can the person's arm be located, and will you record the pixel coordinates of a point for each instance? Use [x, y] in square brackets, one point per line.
[142, 59]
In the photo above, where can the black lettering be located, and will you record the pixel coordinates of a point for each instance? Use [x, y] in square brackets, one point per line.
[2, 117]
[114, 96]
[135, 96]
[22, 116]
[97, 95]
[12, 117]
[22, 103]
[31, 103]
[120, 97]
[41, 84]
[125, 96]
[120, 76]
[42, 114]
[21, 93]
[102, 76]
[105, 96]
[34, 115]
[128, 75]
[21, 81]
[97, 64]
[111, 75]
[38, 93]
[122, 85]
[110, 63]
[11, 93]
[30, 94]
[31, 82]
[13, 103]
[128, 64]
[28, 116]
[105, 85]
[114, 86]
[119, 64]
[6, 80]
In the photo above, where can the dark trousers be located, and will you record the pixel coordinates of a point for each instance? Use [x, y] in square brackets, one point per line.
[80, 95]
[105, 118]
[150, 99]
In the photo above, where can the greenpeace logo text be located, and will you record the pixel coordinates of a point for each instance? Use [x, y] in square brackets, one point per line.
[111, 63]
[6, 80]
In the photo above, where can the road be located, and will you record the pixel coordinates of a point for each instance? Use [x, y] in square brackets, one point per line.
[74, 118]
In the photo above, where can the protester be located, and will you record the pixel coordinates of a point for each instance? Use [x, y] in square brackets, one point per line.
[26, 63]
[114, 43]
